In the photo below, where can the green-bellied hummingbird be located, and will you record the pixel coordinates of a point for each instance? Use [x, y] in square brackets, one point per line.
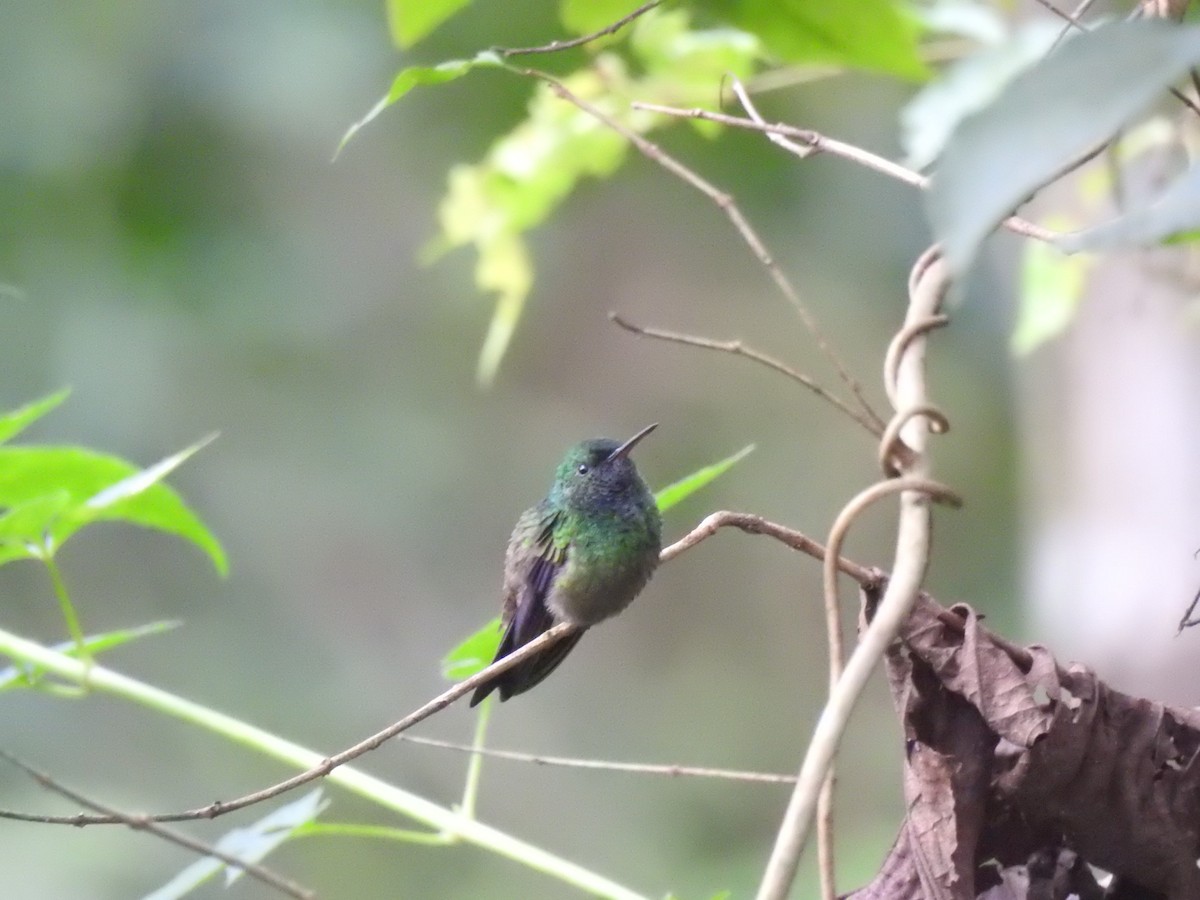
[579, 556]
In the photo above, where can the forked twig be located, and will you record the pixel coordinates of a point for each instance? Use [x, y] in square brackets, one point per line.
[820, 142]
[737, 348]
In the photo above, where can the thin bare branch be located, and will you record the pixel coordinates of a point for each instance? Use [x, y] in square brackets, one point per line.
[754, 524]
[820, 142]
[739, 349]
[170, 835]
[608, 766]
[555, 46]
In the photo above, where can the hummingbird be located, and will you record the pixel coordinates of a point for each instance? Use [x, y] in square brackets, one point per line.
[579, 556]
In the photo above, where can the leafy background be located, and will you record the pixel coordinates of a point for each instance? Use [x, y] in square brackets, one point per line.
[178, 248]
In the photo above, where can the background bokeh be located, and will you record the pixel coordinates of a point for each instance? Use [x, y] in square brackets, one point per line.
[178, 248]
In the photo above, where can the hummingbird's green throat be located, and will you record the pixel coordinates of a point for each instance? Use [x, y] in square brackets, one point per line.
[579, 556]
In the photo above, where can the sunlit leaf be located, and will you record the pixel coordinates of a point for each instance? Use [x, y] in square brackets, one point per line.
[1078, 96]
[22, 675]
[25, 527]
[411, 20]
[99, 487]
[873, 35]
[409, 78]
[685, 487]
[473, 654]
[13, 423]
[249, 844]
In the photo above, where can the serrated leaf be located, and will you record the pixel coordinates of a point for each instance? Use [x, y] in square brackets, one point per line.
[250, 844]
[407, 79]
[100, 488]
[1051, 286]
[872, 35]
[411, 20]
[13, 423]
[475, 652]
[1077, 97]
[685, 487]
[20, 676]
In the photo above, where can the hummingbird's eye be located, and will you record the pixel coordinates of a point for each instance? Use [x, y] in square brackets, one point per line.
[583, 469]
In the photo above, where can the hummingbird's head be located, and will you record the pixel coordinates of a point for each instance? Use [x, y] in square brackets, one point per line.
[599, 472]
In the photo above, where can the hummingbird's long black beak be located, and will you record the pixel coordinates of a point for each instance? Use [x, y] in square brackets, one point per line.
[627, 447]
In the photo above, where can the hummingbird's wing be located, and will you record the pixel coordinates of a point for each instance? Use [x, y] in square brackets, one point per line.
[534, 560]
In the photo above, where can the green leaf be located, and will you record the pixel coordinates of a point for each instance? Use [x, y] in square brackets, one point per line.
[685, 487]
[25, 528]
[411, 20]
[407, 79]
[23, 675]
[473, 654]
[873, 35]
[1051, 286]
[249, 844]
[524, 177]
[98, 487]
[1080, 95]
[13, 423]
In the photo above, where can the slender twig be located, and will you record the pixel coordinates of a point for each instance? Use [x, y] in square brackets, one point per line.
[804, 136]
[801, 150]
[555, 46]
[608, 766]
[754, 524]
[911, 560]
[725, 202]
[820, 142]
[739, 349]
[170, 835]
